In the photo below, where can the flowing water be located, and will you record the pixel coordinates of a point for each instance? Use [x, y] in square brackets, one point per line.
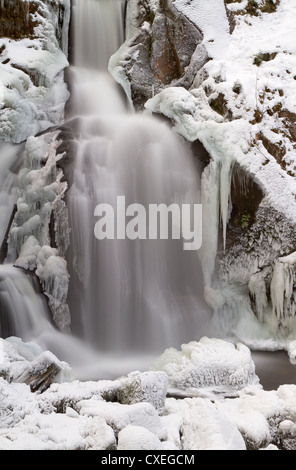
[125, 294]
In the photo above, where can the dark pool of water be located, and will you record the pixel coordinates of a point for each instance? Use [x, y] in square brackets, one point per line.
[274, 369]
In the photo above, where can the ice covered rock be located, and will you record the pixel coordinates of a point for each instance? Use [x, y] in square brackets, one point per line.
[204, 427]
[41, 372]
[27, 363]
[41, 222]
[138, 438]
[253, 425]
[207, 366]
[283, 290]
[148, 387]
[34, 45]
[60, 396]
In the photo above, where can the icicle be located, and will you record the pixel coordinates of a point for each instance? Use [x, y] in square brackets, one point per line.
[257, 290]
[282, 289]
[225, 188]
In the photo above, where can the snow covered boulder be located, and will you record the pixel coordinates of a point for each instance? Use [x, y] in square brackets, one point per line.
[206, 367]
[206, 428]
[27, 363]
[120, 416]
[138, 438]
[148, 387]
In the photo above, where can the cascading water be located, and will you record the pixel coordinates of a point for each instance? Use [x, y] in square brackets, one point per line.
[125, 294]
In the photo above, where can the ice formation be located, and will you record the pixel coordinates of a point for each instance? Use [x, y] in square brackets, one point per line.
[40, 202]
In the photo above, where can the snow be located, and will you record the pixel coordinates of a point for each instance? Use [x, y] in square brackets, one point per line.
[138, 438]
[211, 18]
[205, 428]
[86, 416]
[119, 416]
[17, 358]
[32, 88]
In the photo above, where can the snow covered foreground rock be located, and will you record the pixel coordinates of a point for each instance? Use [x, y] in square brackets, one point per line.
[96, 415]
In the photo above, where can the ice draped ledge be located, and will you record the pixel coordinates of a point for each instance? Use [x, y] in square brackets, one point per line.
[32, 60]
[241, 106]
[134, 413]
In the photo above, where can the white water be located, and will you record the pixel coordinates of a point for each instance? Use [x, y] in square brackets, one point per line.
[124, 295]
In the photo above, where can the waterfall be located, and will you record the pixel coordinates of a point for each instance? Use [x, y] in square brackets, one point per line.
[125, 294]
[23, 309]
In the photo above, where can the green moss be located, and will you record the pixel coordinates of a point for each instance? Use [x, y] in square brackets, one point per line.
[243, 220]
[150, 15]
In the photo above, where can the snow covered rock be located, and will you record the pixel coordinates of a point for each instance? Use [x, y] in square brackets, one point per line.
[33, 56]
[148, 387]
[120, 416]
[57, 432]
[253, 425]
[59, 397]
[27, 363]
[205, 428]
[138, 438]
[210, 366]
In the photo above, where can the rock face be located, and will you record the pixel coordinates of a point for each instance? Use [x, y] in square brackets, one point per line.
[161, 49]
